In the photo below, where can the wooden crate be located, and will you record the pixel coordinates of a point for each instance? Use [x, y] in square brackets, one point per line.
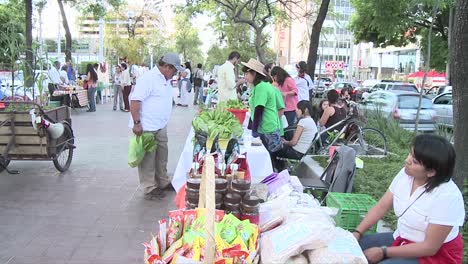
[58, 114]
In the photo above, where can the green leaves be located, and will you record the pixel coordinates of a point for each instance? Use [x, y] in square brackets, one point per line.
[217, 122]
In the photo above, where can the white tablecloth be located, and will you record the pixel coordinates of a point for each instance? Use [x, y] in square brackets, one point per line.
[257, 157]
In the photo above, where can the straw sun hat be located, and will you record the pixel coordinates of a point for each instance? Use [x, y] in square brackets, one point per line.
[255, 65]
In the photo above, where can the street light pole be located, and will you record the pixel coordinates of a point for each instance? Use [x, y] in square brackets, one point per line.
[101, 40]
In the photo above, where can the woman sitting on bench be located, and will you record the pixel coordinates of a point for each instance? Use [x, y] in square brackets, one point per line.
[302, 139]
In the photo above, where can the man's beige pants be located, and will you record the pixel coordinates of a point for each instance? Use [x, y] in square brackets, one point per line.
[153, 169]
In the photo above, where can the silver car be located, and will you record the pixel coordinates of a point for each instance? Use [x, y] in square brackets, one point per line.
[402, 107]
[444, 109]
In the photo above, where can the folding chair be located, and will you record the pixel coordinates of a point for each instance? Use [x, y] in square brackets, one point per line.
[338, 176]
[291, 164]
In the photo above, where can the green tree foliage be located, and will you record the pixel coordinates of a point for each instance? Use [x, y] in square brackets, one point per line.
[440, 50]
[136, 43]
[12, 21]
[255, 15]
[187, 41]
[399, 22]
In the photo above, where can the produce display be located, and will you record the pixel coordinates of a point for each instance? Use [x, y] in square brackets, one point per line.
[185, 236]
[217, 122]
[232, 104]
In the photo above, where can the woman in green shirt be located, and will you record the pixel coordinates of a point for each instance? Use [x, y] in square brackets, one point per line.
[264, 104]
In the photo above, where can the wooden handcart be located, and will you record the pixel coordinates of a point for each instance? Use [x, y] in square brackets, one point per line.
[23, 139]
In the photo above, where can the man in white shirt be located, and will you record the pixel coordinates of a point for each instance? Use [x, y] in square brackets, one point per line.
[55, 81]
[151, 107]
[64, 74]
[54, 73]
[227, 79]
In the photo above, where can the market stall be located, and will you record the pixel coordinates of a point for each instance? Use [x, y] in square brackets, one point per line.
[257, 155]
[230, 211]
[78, 96]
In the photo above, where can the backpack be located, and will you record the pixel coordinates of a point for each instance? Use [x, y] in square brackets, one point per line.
[197, 81]
[341, 170]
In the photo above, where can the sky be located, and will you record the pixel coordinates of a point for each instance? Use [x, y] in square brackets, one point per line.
[52, 19]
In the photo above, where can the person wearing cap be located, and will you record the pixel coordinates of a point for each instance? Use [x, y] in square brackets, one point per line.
[264, 105]
[150, 108]
[227, 78]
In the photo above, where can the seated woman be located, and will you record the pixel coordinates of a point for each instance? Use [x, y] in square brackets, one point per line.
[428, 205]
[333, 114]
[303, 136]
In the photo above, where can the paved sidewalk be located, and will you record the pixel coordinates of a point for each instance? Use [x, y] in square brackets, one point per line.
[93, 213]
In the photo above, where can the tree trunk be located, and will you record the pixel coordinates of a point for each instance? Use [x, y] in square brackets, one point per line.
[459, 76]
[315, 37]
[68, 37]
[28, 76]
[258, 45]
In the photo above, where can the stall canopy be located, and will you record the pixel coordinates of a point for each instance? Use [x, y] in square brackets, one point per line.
[430, 74]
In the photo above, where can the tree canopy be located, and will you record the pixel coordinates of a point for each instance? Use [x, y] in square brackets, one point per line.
[399, 22]
[12, 26]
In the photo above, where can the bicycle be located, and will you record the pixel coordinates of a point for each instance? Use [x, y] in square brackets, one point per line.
[366, 141]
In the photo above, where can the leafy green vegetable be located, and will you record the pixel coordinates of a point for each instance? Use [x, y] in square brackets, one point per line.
[218, 122]
[232, 104]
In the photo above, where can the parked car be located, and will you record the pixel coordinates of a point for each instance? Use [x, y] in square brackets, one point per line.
[321, 84]
[409, 87]
[444, 89]
[402, 106]
[340, 85]
[443, 106]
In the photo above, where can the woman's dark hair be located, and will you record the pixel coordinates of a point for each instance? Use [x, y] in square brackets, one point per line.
[258, 77]
[320, 108]
[199, 65]
[302, 65]
[303, 105]
[280, 74]
[266, 70]
[435, 153]
[343, 91]
[332, 96]
[124, 65]
[92, 72]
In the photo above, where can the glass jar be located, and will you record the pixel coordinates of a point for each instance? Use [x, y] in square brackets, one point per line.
[232, 209]
[250, 209]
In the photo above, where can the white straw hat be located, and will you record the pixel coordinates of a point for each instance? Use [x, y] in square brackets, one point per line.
[255, 65]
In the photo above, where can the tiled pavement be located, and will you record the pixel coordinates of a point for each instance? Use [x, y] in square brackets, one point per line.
[93, 213]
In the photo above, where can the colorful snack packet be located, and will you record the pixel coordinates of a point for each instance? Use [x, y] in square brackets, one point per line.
[245, 230]
[176, 224]
[189, 218]
[169, 254]
[162, 235]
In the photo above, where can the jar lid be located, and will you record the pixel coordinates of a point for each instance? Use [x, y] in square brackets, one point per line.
[218, 198]
[194, 183]
[251, 200]
[232, 198]
[241, 185]
[231, 207]
[221, 184]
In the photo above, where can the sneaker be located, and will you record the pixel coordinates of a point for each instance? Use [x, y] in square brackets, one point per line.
[155, 193]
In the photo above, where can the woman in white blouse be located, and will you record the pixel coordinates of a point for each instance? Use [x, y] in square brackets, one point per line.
[428, 205]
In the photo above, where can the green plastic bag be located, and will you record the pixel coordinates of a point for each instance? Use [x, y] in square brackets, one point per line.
[138, 146]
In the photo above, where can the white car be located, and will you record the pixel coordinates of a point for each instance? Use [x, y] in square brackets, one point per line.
[402, 107]
[443, 105]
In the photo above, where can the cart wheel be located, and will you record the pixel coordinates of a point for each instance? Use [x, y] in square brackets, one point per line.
[64, 152]
[3, 163]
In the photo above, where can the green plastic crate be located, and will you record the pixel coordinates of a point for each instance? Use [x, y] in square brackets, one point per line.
[352, 207]
[54, 103]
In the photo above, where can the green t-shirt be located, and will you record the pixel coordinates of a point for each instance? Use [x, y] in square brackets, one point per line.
[264, 94]
[279, 105]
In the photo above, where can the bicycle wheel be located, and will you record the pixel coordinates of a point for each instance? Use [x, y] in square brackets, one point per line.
[368, 141]
[3, 163]
[65, 150]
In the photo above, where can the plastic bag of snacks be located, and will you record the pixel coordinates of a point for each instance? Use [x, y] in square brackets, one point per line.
[343, 248]
[292, 239]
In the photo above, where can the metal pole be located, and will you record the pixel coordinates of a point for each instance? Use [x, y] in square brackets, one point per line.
[101, 39]
[59, 39]
[450, 27]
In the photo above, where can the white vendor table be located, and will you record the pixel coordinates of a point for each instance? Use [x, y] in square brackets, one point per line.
[257, 157]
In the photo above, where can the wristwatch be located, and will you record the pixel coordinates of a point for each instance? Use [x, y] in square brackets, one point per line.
[136, 122]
